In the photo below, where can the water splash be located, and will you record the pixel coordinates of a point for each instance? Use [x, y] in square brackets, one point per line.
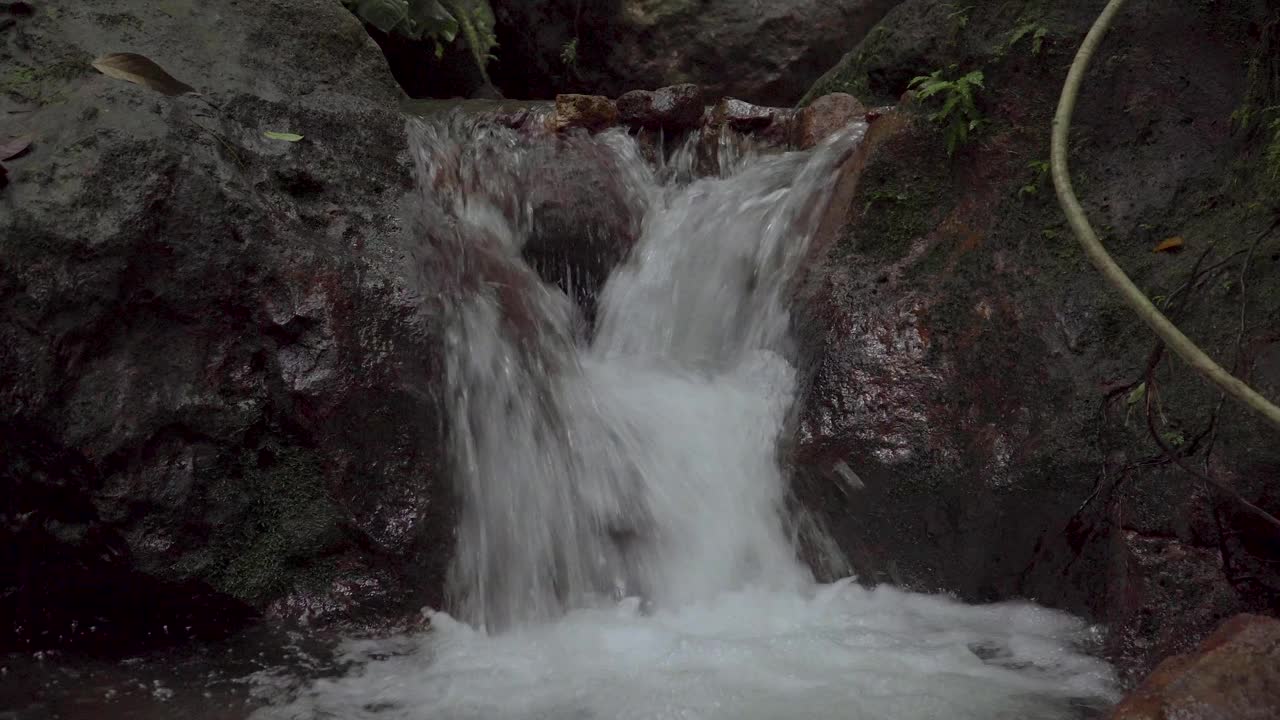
[624, 523]
[840, 651]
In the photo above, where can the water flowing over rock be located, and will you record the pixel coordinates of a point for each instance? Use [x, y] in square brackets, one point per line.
[626, 547]
[824, 116]
[584, 518]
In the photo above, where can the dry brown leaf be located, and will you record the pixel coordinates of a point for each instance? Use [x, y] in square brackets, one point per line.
[11, 149]
[141, 70]
[1171, 244]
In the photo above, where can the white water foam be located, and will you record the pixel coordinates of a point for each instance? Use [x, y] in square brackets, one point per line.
[836, 651]
[623, 551]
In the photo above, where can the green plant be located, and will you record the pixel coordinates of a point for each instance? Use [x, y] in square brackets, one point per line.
[569, 54]
[1033, 30]
[1262, 79]
[1040, 168]
[1271, 154]
[958, 114]
[884, 196]
[959, 15]
[438, 21]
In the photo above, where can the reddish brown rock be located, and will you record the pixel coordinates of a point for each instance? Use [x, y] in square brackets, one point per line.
[1233, 675]
[677, 107]
[826, 115]
[593, 112]
[582, 221]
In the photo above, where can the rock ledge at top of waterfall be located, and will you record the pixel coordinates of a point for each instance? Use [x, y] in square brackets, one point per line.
[680, 108]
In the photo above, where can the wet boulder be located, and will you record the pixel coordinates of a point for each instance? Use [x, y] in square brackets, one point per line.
[219, 357]
[766, 52]
[1234, 673]
[965, 363]
[674, 108]
[583, 220]
[825, 116]
[589, 112]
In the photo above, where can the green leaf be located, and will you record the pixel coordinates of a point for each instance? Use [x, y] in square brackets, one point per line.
[933, 87]
[429, 18]
[1136, 395]
[1020, 32]
[386, 15]
[476, 22]
[285, 136]
[1037, 42]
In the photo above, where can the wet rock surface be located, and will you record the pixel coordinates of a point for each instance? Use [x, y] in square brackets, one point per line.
[765, 52]
[825, 116]
[589, 112]
[674, 108]
[967, 365]
[582, 221]
[218, 367]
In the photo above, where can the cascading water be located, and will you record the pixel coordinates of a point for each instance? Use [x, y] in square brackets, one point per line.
[624, 549]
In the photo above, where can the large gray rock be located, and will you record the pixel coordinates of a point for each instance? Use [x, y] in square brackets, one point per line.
[764, 51]
[219, 372]
[986, 389]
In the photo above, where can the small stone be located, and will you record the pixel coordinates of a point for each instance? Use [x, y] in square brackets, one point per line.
[634, 107]
[741, 115]
[676, 107]
[593, 112]
[1235, 673]
[826, 116]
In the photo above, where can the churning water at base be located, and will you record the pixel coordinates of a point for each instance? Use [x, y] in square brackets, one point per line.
[624, 549]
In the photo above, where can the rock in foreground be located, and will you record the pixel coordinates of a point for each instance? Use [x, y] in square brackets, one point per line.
[1233, 675]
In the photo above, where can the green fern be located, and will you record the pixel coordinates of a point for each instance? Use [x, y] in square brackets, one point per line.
[1040, 169]
[958, 115]
[476, 20]
[439, 21]
[1272, 153]
[569, 54]
[1033, 30]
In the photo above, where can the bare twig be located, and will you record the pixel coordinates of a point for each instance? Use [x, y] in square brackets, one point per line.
[1209, 481]
[1239, 354]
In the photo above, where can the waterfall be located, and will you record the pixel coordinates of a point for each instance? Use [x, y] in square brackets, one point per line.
[623, 549]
